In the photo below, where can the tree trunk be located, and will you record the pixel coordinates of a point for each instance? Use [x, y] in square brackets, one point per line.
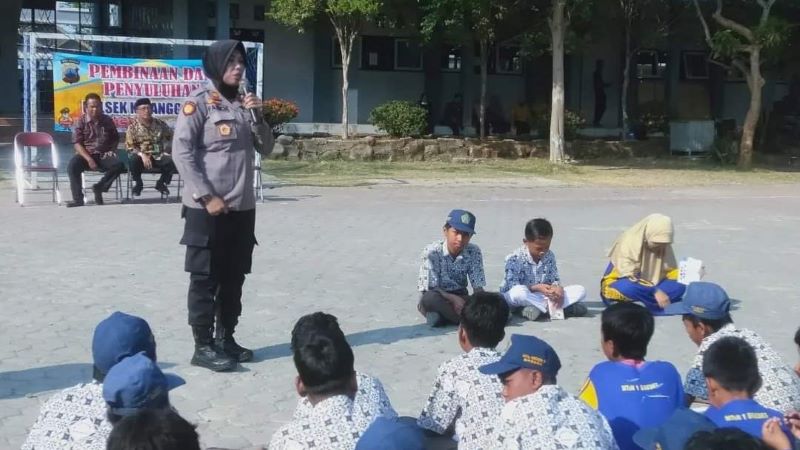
[626, 81]
[557, 28]
[484, 75]
[755, 82]
[346, 48]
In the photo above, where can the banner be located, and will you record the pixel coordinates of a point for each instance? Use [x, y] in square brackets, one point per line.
[120, 82]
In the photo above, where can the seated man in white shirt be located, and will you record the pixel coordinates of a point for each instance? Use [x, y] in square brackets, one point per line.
[324, 362]
[465, 402]
[539, 414]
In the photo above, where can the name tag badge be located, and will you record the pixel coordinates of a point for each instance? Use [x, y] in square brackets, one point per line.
[224, 129]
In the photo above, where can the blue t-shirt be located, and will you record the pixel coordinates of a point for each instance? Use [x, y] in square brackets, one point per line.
[633, 397]
[746, 415]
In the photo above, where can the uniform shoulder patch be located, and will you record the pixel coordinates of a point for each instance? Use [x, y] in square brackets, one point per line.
[189, 108]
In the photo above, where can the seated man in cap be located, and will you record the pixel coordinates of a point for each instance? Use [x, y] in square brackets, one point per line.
[539, 414]
[730, 367]
[627, 390]
[447, 266]
[76, 416]
[532, 283]
[463, 398]
[148, 142]
[136, 384]
[706, 317]
[154, 429]
[370, 396]
[324, 362]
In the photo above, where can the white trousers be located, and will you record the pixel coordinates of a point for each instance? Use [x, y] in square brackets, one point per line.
[520, 295]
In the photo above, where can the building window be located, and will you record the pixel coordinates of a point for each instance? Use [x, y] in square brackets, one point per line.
[650, 64]
[407, 54]
[695, 65]
[233, 11]
[114, 15]
[377, 53]
[451, 58]
[211, 7]
[509, 59]
[259, 12]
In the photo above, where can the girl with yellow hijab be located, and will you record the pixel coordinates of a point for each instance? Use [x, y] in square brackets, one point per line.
[643, 267]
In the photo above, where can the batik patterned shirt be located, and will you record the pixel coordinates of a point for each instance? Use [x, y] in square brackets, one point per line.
[550, 419]
[441, 270]
[370, 397]
[780, 388]
[465, 397]
[143, 138]
[521, 269]
[73, 419]
[333, 424]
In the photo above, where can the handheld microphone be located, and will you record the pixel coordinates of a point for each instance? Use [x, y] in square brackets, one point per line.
[244, 89]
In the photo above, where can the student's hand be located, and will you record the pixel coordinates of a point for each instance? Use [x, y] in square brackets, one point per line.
[542, 288]
[774, 436]
[458, 304]
[793, 420]
[216, 206]
[662, 298]
[797, 369]
[147, 160]
[92, 163]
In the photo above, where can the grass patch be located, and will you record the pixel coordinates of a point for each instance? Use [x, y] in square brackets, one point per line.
[635, 172]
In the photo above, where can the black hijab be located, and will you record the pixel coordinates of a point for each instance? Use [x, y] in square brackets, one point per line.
[216, 59]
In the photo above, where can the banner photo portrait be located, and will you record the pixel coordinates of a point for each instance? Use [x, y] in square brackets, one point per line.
[120, 82]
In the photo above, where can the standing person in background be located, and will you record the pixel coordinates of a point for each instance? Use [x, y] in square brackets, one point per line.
[214, 149]
[148, 140]
[95, 138]
[599, 92]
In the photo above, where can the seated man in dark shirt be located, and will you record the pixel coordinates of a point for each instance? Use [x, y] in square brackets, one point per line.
[95, 138]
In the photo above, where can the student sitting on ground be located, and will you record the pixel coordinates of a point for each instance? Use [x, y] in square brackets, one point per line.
[76, 416]
[391, 434]
[370, 396]
[674, 432]
[532, 279]
[538, 414]
[730, 368]
[447, 266]
[463, 398]
[725, 439]
[643, 267]
[154, 429]
[705, 310]
[324, 362]
[630, 392]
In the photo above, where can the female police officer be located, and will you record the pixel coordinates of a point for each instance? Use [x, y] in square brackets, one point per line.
[213, 149]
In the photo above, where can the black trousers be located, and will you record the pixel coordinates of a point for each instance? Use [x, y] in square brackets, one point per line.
[164, 166]
[433, 301]
[219, 252]
[111, 168]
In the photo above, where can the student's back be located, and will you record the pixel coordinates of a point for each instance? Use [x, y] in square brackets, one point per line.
[632, 396]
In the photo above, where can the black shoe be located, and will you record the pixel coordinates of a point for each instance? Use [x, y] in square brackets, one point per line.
[162, 188]
[434, 319]
[236, 351]
[98, 194]
[206, 355]
[73, 204]
[137, 190]
[576, 310]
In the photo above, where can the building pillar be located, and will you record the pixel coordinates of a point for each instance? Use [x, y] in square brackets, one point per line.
[180, 26]
[223, 27]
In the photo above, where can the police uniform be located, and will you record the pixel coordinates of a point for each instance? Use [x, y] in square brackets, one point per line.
[213, 149]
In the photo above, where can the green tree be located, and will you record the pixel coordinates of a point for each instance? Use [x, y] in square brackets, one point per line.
[476, 20]
[742, 45]
[347, 18]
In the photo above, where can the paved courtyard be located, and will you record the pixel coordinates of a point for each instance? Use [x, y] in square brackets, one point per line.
[354, 252]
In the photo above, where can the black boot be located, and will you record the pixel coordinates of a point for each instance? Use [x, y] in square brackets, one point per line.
[137, 188]
[232, 349]
[206, 354]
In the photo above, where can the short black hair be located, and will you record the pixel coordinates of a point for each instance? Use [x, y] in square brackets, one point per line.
[714, 324]
[797, 337]
[732, 363]
[538, 229]
[630, 327]
[725, 439]
[323, 358]
[151, 429]
[92, 96]
[484, 319]
[315, 321]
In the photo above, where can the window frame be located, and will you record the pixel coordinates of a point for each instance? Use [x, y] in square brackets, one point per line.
[399, 68]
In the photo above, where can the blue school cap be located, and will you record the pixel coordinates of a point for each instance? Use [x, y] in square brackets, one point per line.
[702, 299]
[118, 336]
[391, 434]
[461, 220]
[136, 383]
[675, 432]
[527, 352]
